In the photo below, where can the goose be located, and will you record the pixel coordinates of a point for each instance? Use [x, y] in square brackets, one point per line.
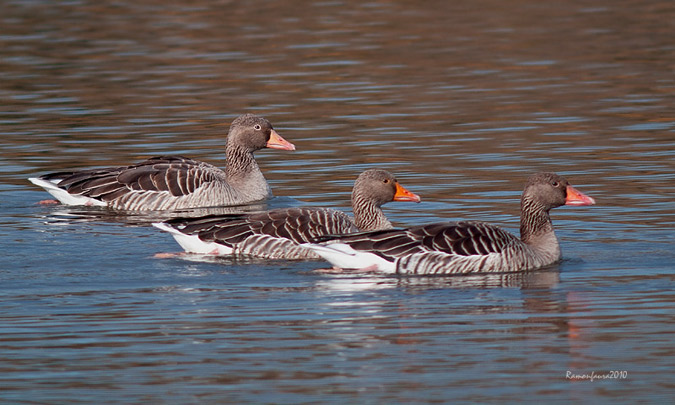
[462, 247]
[277, 234]
[176, 182]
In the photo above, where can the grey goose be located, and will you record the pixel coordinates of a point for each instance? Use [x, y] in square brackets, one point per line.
[277, 234]
[462, 247]
[176, 182]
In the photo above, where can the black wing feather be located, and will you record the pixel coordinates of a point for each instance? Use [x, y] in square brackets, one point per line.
[295, 224]
[176, 174]
[458, 238]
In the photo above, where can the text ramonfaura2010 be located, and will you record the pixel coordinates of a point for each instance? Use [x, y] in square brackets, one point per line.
[593, 375]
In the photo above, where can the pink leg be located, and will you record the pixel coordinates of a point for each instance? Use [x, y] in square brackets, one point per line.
[168, 255]
[370, 269]
[337, 270]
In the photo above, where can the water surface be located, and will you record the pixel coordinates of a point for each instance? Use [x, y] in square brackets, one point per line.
[462, 101]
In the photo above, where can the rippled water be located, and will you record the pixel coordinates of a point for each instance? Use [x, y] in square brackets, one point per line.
[461, 100]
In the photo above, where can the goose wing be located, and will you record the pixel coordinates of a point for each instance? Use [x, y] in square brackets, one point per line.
[298, 225]
[454, 238]
[175, 175]
[462, 238]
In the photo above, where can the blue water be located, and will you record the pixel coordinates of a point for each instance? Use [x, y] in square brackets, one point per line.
[461, 103]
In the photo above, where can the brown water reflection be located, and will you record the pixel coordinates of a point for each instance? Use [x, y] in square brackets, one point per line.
[434, 96]
[462, 100]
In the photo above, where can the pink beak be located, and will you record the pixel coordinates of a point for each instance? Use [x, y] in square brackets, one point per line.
[277, 142]
[576, 197]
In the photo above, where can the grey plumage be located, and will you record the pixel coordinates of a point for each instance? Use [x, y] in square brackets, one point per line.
[176, 182]
[471, 247]
[278, 233]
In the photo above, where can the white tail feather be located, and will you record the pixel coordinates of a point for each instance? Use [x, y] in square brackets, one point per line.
[192, 243]
[343, 256]
[64, 196]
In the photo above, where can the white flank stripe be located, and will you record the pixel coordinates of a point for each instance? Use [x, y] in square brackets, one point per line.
[343, 256]
[65, 197]
[192, 243]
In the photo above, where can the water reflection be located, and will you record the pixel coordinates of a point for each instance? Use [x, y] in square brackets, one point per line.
[544, 278]
[73, 214]
[462, 102]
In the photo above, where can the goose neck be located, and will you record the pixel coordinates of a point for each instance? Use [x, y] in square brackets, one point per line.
[535, 221]
[240, 162]
[368, 216]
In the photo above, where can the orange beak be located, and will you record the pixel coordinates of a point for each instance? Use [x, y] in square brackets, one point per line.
[404, 195]
[576, 197]
[277, 142]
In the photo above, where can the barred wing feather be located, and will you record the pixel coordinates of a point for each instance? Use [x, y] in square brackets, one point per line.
[272, 234]
[151, 184]
[461, 238]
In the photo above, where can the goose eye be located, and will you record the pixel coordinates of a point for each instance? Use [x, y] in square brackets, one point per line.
[386, 181]
[555, 183]
[257, 127]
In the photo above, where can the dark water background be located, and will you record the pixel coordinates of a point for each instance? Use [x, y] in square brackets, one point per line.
[462, 100]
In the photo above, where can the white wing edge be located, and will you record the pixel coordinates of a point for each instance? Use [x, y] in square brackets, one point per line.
[343, 256]
[65, 197]
[192, 243]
